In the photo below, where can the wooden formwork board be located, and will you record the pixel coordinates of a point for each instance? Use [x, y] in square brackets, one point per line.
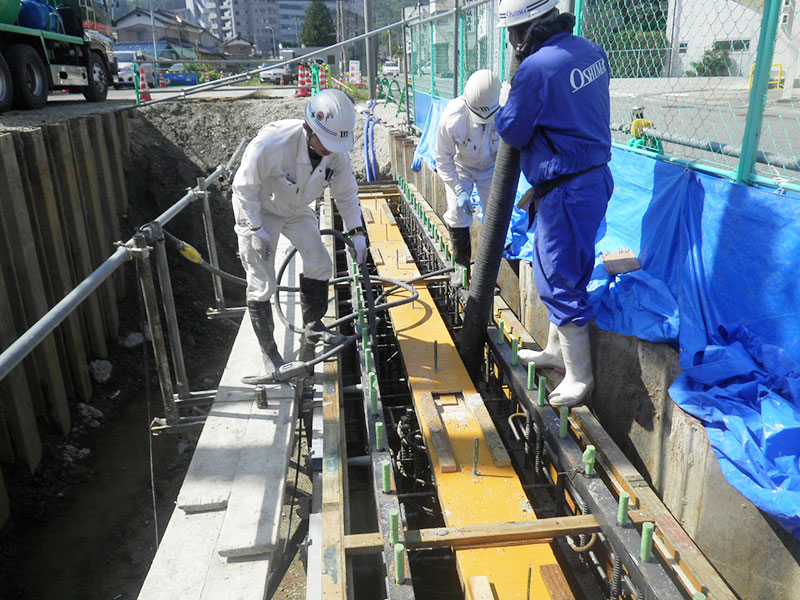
[101, 242]
[22, 272]
[495, 494]
[68, 195]
[43, 201]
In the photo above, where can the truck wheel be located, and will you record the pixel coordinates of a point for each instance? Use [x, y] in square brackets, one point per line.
[28, 76]
[97, 90]
[6, 87]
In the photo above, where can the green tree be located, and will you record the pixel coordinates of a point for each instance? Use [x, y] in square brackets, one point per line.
[714, 63]
[318, 26]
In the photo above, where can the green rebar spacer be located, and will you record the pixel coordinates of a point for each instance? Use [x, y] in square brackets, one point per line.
[359, 300]
[373, 396]
[362, 318]
[589, 458]
[531, 374]
[647, 541]
[386, 476]
[465, 276]
[354, 269]
[501, 335]
[514, 350]
[379, 430]
[368, 359]
[394, 527]
[435, 355]
[622, 512]
[399, 564]
[563, 423]
[699, 596]
[365, 337]
[542, 390]
[476, 444]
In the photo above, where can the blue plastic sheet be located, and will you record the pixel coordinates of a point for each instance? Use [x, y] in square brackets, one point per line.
[718, 279]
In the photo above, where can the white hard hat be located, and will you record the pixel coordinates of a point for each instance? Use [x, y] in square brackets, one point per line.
[331, 116]
[482, 95]
[515, 12]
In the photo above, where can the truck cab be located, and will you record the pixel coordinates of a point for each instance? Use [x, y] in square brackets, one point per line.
[47, 46]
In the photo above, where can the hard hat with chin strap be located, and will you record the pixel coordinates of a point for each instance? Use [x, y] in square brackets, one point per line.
[331, 116]
[482, 95]
[516, 12]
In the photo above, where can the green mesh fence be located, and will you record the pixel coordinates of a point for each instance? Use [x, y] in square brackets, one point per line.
[681, 76]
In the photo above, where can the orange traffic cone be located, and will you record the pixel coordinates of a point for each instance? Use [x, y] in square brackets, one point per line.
[282, 83]
[144, 91]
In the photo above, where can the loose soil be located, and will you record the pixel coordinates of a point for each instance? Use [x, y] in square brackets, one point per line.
[85, 525]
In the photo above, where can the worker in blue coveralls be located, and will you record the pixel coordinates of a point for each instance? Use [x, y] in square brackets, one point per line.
[556, 112]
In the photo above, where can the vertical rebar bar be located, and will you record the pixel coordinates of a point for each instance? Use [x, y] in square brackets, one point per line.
[156, 333]
[171, 315]
[616, 574]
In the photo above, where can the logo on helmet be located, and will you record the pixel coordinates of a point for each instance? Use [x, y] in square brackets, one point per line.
[320, 115]
[344, 134]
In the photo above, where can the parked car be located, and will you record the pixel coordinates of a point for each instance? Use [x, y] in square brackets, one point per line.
[274, 74]
[126, 61]
[391, 68]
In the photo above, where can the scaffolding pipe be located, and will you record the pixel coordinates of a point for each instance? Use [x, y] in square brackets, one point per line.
[156, 332]
[168, 300]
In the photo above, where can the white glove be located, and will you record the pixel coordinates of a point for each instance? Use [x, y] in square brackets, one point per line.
[359, 250]
[464, 202]
[505, 89]
[260, 242]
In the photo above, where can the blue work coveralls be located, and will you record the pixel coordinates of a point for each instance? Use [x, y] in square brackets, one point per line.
[558, 114]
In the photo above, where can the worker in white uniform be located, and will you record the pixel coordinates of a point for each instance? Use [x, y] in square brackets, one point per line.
[284, 169]
[466, 147]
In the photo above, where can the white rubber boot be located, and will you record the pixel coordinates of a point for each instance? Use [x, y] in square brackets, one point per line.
[578, 383]
[549, 357]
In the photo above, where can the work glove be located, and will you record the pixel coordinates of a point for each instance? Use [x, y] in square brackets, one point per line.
[359, 249]
[260, 242]
[505, 90]
[463, 202]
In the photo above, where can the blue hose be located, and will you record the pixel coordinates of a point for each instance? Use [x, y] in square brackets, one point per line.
[375, 168]
[367, 165]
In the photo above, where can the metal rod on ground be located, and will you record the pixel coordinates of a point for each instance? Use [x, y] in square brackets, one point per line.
[168, 300]
[156, 333]
[211, 243]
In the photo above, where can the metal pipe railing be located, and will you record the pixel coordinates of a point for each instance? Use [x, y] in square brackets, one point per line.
[25, 344]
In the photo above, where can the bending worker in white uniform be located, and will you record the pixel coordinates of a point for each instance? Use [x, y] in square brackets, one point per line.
[466, 148]
[284, 169]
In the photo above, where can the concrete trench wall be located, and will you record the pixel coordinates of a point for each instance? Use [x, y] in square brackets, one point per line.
[758, 559]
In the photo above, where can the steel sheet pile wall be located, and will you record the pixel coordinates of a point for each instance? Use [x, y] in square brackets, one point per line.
[63, 194]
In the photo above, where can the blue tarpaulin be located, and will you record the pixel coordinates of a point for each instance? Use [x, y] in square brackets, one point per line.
[719, 278]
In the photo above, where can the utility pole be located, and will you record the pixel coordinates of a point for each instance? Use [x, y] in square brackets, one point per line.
[342, 35]
[370, 43]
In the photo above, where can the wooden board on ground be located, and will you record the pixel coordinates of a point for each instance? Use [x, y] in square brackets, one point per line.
[480, 588]
[429, 417]
[208, 481]
[187, 567]
[490, 434]
[556, 583]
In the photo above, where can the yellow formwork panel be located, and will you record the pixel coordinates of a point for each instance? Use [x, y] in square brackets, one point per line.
[495, 495]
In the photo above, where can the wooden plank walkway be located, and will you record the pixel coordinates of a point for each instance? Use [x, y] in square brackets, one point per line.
[219, 541]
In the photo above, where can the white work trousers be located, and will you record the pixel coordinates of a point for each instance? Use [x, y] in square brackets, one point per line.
[302, 230]
[454, 217]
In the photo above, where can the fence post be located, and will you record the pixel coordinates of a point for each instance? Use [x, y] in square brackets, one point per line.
[433, 63]
[456, 48]
[578, 29]
[758, 92]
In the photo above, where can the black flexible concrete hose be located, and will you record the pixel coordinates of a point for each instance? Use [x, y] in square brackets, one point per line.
[491, 243]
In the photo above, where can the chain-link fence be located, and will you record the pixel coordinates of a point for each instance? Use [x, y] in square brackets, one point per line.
[682, 75]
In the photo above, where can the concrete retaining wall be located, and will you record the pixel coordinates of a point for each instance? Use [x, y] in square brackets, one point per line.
[758, 558]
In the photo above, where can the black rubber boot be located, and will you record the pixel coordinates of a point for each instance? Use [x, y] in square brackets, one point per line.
[314, 304]
[264, 328]
[462, 252]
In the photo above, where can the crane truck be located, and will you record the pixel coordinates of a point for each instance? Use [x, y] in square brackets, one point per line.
[46, 47]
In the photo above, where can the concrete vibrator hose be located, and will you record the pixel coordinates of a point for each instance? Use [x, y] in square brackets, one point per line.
[496, 218]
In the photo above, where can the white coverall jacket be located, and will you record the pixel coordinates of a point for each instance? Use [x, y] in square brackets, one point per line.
[465, 154]
[273, 189]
